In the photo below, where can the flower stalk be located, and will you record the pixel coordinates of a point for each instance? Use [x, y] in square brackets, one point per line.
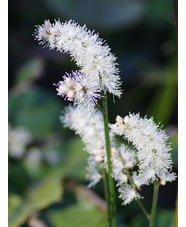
[108, 152]
[154, 203]
[138, 200]
[107, 197]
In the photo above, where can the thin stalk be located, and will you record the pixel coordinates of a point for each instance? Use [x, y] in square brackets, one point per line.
[143, 209]
[154, 203]
[139, 201]
[108, 151]
[107, 198]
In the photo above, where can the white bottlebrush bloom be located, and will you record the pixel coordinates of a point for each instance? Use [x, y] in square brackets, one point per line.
[18, 139]
[90, 127]
[80, 89]
[89, 52]
[128, 194]
[150, 141]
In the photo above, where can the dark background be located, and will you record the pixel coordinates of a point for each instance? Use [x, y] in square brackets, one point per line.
[142, 35]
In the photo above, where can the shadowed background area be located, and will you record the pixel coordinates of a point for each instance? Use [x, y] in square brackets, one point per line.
[47, 163]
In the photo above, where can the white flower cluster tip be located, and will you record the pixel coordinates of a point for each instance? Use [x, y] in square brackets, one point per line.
[79, 89]
[90, 53]
[151, 142]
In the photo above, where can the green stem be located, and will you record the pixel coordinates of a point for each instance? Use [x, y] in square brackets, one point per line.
[139, 201]
[154, 203]
[110, 179]
[143, 209]
[107, 197]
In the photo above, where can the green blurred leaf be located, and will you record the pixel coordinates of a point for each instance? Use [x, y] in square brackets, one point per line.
[165, 97]
[81, 214]
[37, 110]
[174, 145]
[18, 211]
[160, 11]
[139, 221]
[29, 71]
[39, 196]
[165, 218]
[14, 201]
[43, 194]
[17, 171]
[74, 161]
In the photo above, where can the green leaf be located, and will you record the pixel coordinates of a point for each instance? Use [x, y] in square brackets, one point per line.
[29, 71]
[81, 214]
[18, 211]
[165, 97]
[39, 196]
[139, 221]
[74, 161]
[17, 171]
[43, 194]
[37, 110]
[165, 218]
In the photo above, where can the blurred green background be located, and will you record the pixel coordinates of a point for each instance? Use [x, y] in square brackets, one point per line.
[47, 163]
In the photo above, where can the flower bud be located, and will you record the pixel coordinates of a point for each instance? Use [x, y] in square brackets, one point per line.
[78, 87]
[70, 95]
[126, 119]
[68, 81]
[47, 26]
[119, 119]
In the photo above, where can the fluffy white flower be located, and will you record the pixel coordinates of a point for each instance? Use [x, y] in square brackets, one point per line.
[90, 127]
[151, 142]
[165, 176]
[148, 174]
[127, 194]
[89, 52]
[80, 89]
[138, 180]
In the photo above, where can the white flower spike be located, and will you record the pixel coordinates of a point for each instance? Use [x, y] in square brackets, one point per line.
[151, 142]
[89, 52]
